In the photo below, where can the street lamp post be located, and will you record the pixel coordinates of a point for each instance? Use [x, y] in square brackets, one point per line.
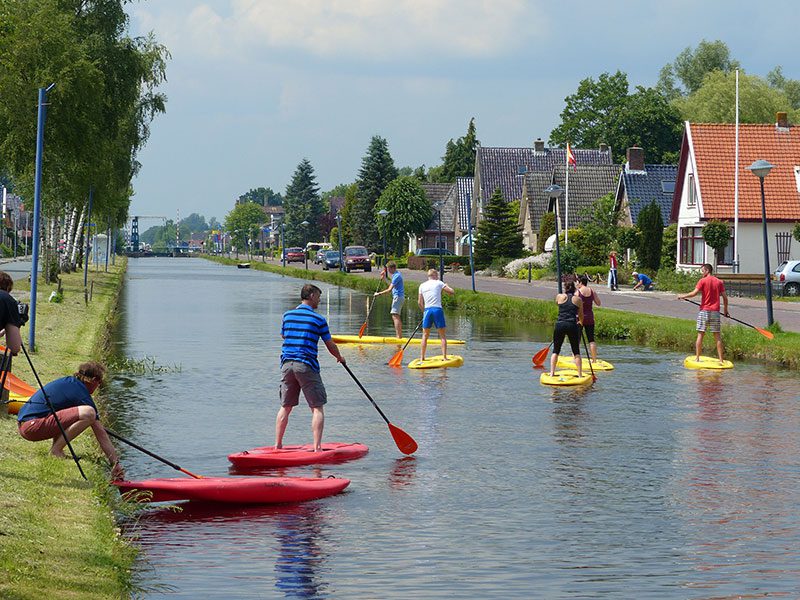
[469, 230]
[382, 214]
[339, 233]
[439, 205]
[554, 192]
[761, 169]
[283, 245]
[305, 225]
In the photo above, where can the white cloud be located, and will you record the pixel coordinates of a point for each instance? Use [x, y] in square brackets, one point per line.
[368, 30]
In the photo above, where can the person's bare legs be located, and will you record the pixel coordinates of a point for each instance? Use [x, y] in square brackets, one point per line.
[593, 351]
[578, 363]
[553, 361]
[280, 425]
[317, 425]
[443, 337]
[424, 345]
[698, 345]
[398, 325]
[720, 347]
[86, 416]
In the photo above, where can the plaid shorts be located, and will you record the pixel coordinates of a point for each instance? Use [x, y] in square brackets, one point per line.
[708, 320]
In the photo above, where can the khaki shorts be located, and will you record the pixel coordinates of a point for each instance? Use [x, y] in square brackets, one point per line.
[397, 304]
[296, 376]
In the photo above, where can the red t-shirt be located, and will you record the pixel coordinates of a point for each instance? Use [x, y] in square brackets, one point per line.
[613, 260]
[711, 288]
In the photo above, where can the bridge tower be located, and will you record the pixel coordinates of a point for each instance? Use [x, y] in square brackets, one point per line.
[135, 234]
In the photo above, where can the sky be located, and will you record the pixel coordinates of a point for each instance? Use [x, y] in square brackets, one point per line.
[255, 86]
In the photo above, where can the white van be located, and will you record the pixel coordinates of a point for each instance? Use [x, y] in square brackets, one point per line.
[317, 250]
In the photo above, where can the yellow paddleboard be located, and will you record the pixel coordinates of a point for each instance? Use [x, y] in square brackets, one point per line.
[15, 402]
[434, 362]
[568, 362]
[706, 362]
[374, 339]
[566, 378]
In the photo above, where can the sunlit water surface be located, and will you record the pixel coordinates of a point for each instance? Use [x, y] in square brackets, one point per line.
[657, 482]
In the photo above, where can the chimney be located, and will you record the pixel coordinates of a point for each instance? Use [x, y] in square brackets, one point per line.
[538, 145]
[603, 147]
[782, 120]
[635, 157]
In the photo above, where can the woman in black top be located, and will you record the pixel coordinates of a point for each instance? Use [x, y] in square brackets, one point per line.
[10, 320]
[569, 322]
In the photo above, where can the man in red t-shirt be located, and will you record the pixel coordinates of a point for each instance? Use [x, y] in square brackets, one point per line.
[708, 318]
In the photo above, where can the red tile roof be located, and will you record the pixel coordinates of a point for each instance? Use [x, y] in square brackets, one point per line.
[714, 150]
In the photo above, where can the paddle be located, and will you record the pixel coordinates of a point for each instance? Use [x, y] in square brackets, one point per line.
[53, 410]
[541, 355]
[588, 356]
[397, 359]
[405, 443]
[146, 451]
[767, 334]
[369, 310]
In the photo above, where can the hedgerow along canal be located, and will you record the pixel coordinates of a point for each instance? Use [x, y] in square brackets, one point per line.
[656, 482]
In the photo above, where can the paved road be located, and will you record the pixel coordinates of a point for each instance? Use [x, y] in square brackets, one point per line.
[652, 303]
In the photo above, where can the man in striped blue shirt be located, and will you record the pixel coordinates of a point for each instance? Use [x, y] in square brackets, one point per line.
[301, 330]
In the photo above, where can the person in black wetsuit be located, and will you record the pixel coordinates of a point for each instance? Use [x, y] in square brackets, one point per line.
[568, 323]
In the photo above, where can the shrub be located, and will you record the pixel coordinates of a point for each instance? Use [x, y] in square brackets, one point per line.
[669, 248]
[521, 264]
[570, 259]
[651, 225]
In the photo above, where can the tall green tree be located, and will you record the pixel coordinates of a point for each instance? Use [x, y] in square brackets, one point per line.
[459, 156]
[715, 100]
[651, 226]
[350, 199]
[303, 203]
[547, 227]
[498, 233]
[598, 231]
[790, 87]
[685, 75]
[376, 172]
[243, 223]
[409, 210]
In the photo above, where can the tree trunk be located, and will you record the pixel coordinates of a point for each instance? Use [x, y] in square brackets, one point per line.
[77, 239]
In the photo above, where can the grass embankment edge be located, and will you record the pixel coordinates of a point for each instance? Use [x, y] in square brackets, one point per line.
[647, 330]
[58, 534]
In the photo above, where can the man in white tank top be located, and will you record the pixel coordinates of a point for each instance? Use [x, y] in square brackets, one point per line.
[430, 301]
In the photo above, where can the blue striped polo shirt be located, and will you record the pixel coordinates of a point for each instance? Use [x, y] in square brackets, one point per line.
[301, 330]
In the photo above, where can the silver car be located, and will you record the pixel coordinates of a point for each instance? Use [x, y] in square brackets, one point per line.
[787, 277]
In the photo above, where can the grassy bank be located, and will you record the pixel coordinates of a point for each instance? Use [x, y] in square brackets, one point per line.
[58, 538]
[648, 330]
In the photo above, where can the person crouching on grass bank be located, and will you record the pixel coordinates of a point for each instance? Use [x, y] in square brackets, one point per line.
[301, 330]
[430, 301]
[71, 398]
[708, 319]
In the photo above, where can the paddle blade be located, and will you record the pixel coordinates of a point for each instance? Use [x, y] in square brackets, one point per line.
[362, 330]
[397, 359]
[405, 443]
[538, 358]
[767, 334]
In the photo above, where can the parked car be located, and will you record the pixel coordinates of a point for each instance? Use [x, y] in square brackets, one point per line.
[434, 252]
[357, 257]
[787, 277]
[319, 258]
[317, 250]
[295, 255]
[332, 260]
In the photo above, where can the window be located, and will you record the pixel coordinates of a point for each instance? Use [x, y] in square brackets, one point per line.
[797, 178]
[668, 187]
[692, 249]
[441, 242]
[725, 256]
[691, 201]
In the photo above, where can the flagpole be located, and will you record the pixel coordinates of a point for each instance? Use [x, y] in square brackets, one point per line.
[566, 199]
[736, 187]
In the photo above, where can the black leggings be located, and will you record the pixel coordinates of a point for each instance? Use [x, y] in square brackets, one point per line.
[567, 329]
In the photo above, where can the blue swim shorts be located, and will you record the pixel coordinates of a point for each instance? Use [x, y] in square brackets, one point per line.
[433, 316]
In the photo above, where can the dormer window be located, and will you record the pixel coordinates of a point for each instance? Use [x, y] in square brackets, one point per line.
[668, 187]
[691, 199]
[797, 178]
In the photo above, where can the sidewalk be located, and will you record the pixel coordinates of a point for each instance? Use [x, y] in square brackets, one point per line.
[657, 303]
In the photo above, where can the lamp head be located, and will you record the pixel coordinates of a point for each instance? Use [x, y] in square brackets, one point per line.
[554, 190]
[760, 168]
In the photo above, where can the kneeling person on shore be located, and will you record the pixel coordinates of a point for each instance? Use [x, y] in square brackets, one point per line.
[71, 399]
[301, 330]
[430, 301]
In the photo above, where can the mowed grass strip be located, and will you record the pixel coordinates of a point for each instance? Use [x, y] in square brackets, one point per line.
[58, 537]
[648, 330]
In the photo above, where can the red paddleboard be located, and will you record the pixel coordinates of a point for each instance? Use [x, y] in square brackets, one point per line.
[16, 385]
[295, 456]
[235, 490]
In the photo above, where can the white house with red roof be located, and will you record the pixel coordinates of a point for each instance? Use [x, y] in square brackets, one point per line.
[705, 185]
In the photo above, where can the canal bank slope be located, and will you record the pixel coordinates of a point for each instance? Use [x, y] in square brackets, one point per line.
[58, 537]
[655, 319]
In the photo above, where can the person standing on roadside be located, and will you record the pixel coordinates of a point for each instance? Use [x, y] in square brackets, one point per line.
[430, 301]
[398, 294]
[612, 272]
[588, 297]
[301, 330]
[708, 317]
[568, 323]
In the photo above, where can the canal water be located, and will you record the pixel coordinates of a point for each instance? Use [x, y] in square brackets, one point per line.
[657, 482]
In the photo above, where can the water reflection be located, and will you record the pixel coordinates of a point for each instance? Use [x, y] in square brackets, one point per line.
[298, 568]
[403, 472]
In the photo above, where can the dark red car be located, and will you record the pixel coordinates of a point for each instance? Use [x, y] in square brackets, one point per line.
[357, 257]
[295, 255]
